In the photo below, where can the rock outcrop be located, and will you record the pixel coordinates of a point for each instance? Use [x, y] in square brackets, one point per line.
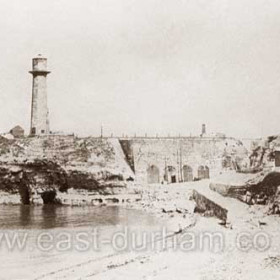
[36, 169]
[252, 188]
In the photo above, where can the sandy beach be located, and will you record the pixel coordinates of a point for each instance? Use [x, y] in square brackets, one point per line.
[193, 247]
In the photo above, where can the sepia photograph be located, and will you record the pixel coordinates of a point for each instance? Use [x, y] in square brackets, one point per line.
[140, 140]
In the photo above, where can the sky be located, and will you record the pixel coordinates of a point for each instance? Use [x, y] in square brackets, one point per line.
[144, 66]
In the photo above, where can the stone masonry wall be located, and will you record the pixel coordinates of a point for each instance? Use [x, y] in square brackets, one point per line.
[169, 155]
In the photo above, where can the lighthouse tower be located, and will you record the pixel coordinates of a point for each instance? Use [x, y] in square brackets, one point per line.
[39, 107]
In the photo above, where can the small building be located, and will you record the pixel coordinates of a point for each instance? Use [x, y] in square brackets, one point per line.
[17, 131]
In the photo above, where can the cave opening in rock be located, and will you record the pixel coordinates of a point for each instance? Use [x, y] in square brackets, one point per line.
[49, 197]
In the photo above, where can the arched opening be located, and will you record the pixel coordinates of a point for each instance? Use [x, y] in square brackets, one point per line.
[170, 174]
[203, 172]
[187, 173]
[206, 172]
[200, 172]
[153, 174]
[49, 197]
[24, 189]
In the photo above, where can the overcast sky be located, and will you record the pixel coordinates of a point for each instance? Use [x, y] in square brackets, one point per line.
[145, 66]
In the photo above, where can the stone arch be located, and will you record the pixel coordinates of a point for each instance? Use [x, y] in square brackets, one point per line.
[153, 174]
[187, 173]
[170, 174]
[203, 172]
[206, 172]
[200, 172]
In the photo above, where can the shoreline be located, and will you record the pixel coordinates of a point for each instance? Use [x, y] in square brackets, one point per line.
[159, 201]
[173, 205]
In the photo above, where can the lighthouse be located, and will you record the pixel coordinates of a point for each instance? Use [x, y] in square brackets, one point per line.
[39, 107]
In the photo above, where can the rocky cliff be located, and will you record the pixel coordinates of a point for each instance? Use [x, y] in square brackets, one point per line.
[36, 170]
